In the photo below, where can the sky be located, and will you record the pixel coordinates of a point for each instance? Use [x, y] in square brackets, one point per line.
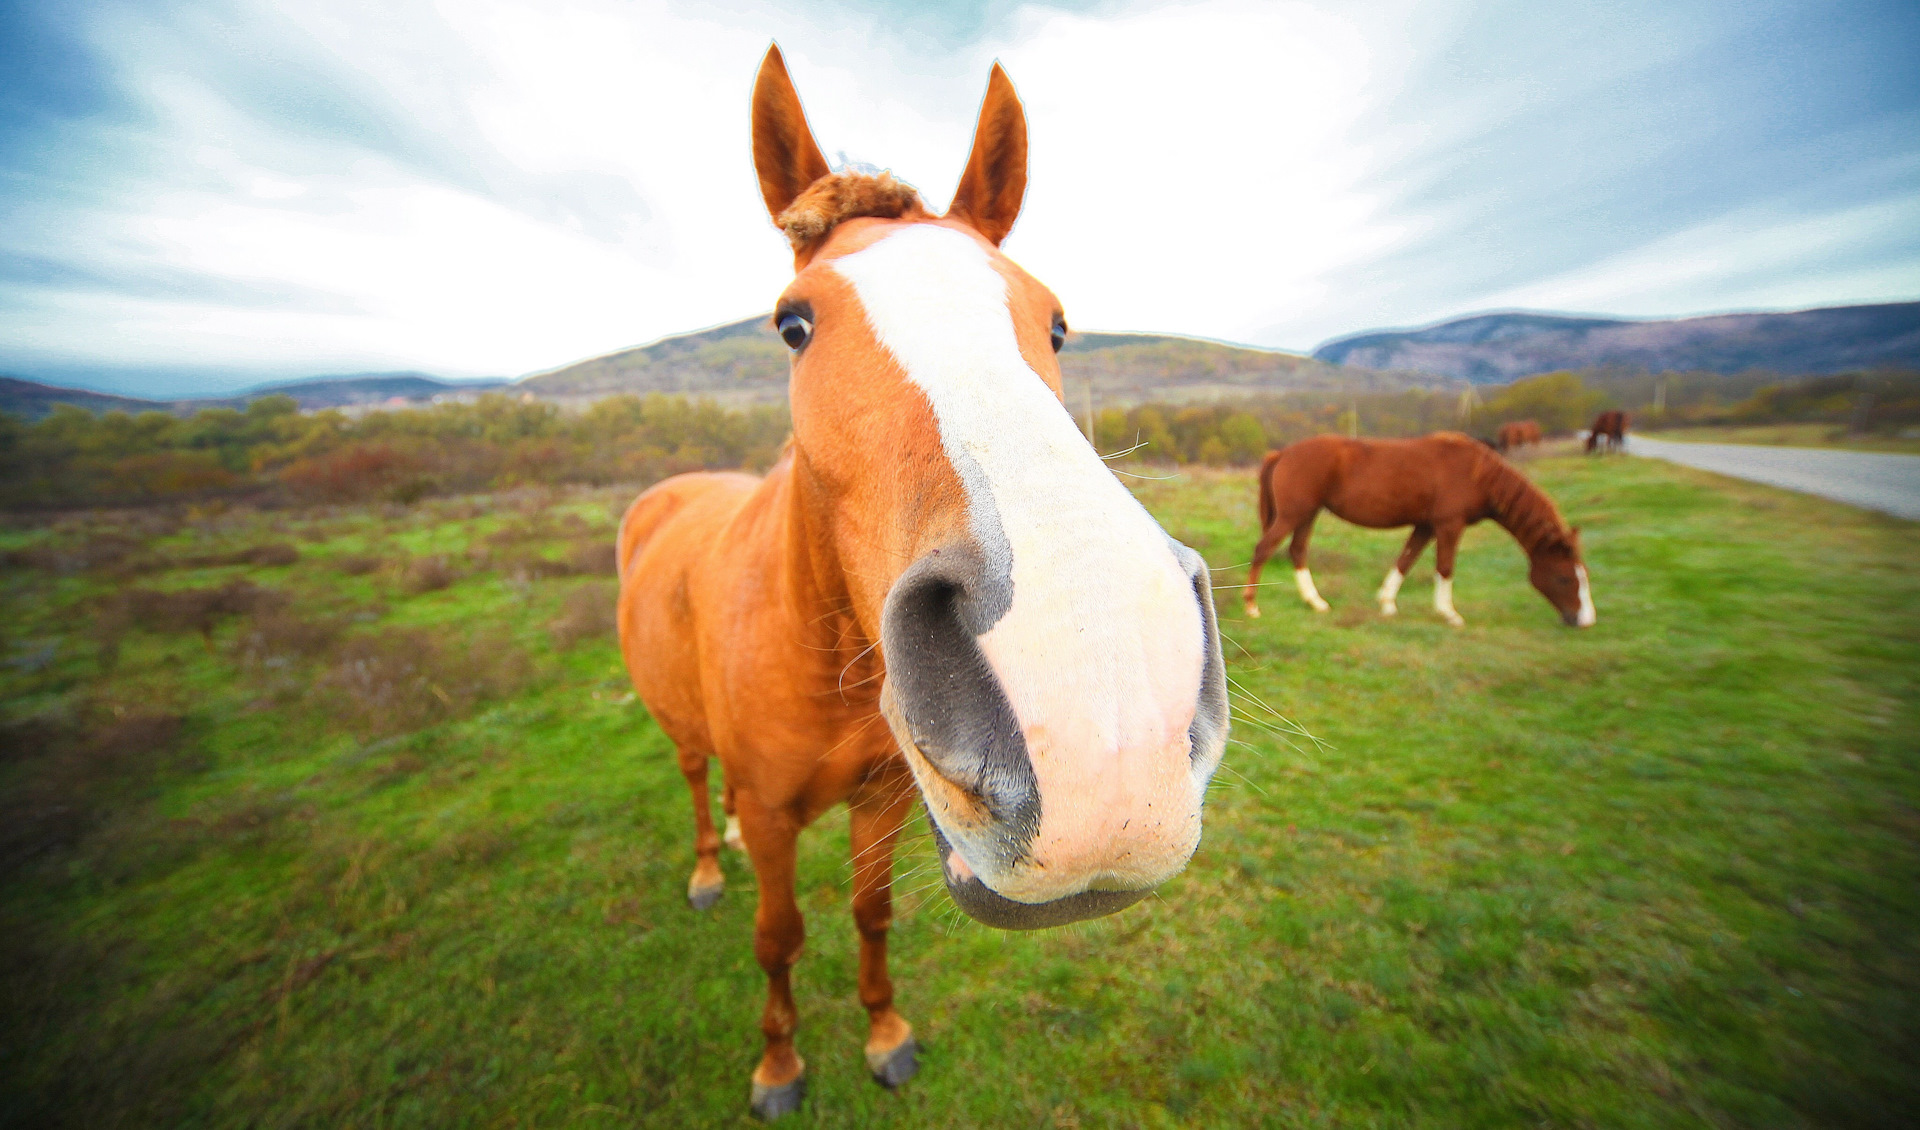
[195, 197]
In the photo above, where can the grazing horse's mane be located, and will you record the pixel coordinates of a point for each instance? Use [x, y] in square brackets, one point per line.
[1524, 509]
[842, 196]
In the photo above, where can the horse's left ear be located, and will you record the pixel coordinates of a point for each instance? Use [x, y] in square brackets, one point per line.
[995, 182]
[1573, 535]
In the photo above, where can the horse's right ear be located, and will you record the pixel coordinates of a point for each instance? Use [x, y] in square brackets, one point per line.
[785, 155]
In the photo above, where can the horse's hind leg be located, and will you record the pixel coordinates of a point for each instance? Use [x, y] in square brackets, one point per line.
[1269, 541]
[1447, 540]
[704, 889]
[877, 812]
[1390, 588]
[1302, 578]
[732, 837]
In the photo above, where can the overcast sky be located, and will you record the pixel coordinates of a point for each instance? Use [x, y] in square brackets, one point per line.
[198, 196]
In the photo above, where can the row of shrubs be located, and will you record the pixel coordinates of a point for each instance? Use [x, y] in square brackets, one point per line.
[76, 458]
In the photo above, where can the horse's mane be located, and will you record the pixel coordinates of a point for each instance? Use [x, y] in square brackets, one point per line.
[844, 196]
[1524, 509]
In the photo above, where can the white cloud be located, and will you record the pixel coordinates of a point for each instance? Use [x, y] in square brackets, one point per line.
[499, 186]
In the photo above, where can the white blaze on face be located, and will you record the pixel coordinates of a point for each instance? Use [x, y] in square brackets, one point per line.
[1587, 614]
[1100, 653]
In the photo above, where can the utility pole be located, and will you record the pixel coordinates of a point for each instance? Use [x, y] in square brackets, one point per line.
[1089, 406]
[1660, 397]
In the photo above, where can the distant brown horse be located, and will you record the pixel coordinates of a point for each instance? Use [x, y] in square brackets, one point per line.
[1609, 426]
[939, 592]
[1513, 436]
[1439, 484]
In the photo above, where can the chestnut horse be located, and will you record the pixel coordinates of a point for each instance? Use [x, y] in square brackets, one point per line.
[1439, 484]
[938, 592]
[1611, 427]
[1516, 435]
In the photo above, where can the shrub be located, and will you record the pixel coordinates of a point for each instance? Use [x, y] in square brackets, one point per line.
[586, 613]
[405, 679]
[427, 574]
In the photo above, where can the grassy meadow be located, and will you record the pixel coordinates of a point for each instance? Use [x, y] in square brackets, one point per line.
[347, 817]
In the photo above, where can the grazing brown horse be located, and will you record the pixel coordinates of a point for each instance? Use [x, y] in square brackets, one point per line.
[1516, 435]
[1439, 484]
[939, 592]
[1611, 427]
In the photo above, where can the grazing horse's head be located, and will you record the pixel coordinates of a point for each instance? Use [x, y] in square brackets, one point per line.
[1053, 670]
[1557, 571]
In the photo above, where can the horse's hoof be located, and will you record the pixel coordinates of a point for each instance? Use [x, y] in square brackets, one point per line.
[1253, 612]
[1320, 606]
[700, 898]
[1456, 621]
[732, 838]
[1388, 608]
[890, 1069]
[770, 1103]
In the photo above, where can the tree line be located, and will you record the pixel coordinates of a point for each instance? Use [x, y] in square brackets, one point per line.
[271, 450]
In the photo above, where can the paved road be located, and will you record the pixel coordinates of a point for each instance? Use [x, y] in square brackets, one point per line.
[1870, 479]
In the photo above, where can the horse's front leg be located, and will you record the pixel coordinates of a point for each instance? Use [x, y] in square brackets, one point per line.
[1390, 588]
[877, 812]
[780, 1082]
[1446, 542]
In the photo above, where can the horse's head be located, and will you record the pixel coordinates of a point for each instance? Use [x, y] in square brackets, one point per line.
[1561, 577]
[1053, 669]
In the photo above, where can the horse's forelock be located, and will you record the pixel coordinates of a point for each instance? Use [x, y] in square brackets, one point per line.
[842, 196]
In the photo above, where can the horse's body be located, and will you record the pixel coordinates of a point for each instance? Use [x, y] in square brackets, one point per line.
[1513, 436]
[938, 593]
[1609, 432]
[1439, 484]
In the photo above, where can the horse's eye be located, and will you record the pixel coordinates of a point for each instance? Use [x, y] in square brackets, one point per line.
[1059, 332]
[794, 330]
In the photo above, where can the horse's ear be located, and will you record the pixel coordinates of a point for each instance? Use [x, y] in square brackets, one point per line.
[785, 155]
[1573, 535]
[996, 178]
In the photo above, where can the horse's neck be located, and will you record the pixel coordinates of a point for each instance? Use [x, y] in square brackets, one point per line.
[1519, 506]
[803, 570]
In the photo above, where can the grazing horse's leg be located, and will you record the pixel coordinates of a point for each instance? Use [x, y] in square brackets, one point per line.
[876, 814]
[1390, 588]
[1269, 540]
[732, 837]
[1446, 541]
[708, 882]
[780, 1082]
[1302, 578]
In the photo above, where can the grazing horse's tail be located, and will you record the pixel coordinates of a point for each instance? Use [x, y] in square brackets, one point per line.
[1266, 489]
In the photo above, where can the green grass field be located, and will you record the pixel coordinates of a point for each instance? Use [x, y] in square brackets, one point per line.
[1793, 435]
[405, 852]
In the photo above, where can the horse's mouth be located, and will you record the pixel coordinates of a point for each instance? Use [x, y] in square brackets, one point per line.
[984, 905]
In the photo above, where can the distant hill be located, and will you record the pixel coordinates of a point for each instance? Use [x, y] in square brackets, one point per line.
[746, 362]
[353, 389]
[31, 400]
[1494, 348]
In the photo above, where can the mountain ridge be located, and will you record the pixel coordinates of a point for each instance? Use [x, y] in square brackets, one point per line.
[1502, 346]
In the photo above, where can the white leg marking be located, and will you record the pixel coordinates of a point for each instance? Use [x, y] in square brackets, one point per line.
[732, 837]
[1443, 601]
[1587, 615]
[1308, 593]
[1389, 590]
